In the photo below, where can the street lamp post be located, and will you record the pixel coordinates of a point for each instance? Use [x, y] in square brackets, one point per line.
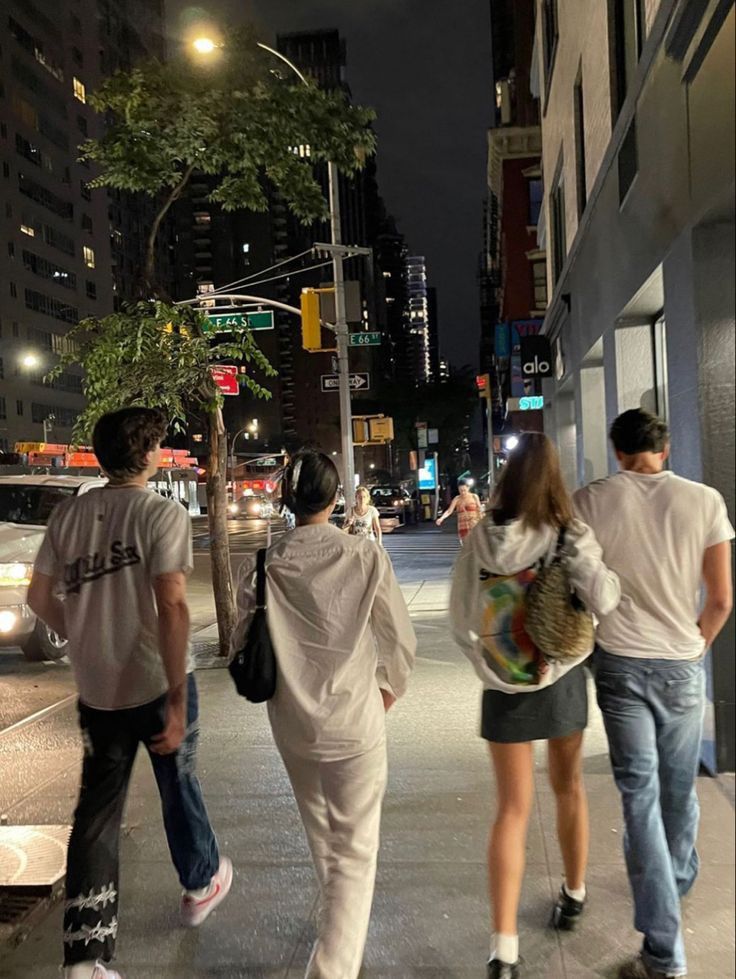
[48, 424]
[206, 46]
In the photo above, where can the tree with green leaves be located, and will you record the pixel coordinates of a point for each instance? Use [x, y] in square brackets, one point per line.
[240, 121]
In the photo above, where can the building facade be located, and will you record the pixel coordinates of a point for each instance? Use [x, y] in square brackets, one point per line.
[637, 101]
[513, 271]
[60, 239]
[418, 357]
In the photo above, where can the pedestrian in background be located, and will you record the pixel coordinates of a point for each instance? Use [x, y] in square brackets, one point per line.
[665, 536]
[469, 510]
[526, 698]
[363, 519]
[120, 557]
[345, 647]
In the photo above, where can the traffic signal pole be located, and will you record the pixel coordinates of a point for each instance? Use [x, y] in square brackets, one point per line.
[341, 335]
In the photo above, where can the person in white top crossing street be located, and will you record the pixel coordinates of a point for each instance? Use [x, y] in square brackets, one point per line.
[665, 537]
[344, 648]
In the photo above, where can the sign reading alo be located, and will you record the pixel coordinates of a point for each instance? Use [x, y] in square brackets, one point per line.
[536, 357]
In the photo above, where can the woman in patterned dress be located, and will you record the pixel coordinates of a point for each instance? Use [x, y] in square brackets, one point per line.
[469, 511]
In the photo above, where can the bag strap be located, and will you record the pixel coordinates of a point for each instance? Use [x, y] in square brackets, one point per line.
[261, 579]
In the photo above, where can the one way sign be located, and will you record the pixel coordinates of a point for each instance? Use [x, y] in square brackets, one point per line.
[358, 382]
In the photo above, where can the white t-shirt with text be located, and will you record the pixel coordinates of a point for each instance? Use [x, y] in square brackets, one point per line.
[105, 550]
[654, 531]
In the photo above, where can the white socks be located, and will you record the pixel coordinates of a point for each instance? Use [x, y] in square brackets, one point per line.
[82, 970]
[505, 948]
[577, 895]
[200, 893]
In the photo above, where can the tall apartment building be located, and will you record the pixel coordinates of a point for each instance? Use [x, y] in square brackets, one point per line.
[418, 356]
[58, 237]
[637, 100]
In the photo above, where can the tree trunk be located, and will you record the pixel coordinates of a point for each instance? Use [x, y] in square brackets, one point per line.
[150, 266]
[222, 576]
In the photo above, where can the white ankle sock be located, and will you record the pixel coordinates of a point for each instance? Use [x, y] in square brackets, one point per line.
[200, 892]
[81, 970]
[505, 948]
[576, 895]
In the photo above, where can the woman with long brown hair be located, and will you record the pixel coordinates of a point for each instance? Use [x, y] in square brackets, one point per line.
[528, 697]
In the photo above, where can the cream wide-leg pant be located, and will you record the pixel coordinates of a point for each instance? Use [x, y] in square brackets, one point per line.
[340, 805]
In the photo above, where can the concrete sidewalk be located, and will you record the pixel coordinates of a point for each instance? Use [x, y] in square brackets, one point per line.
[430, 915]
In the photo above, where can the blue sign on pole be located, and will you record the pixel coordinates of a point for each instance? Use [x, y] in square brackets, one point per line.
[428, 474]
[502, 345]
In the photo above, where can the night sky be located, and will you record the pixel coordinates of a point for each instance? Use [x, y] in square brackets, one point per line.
[425, 67]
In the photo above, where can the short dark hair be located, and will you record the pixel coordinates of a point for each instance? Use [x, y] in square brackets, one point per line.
[122, 439]
[310, 483]
[637, 431]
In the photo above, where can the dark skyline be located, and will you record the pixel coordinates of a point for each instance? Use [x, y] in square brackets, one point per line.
[427, 73]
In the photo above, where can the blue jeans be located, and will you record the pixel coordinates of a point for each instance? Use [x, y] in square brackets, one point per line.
[653, 712]
[111, 739]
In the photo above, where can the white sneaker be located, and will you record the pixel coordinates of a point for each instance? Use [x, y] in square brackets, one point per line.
[195, 908]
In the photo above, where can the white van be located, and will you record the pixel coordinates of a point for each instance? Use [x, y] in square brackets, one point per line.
[25, 505]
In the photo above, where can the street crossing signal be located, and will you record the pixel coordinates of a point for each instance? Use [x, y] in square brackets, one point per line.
[483, 383]
[311, 328]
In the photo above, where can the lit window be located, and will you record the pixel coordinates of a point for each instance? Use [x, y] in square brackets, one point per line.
[80, 92]
[246, 247]
[89, 256]
[202, 218]
[28, 230]
[303, 150]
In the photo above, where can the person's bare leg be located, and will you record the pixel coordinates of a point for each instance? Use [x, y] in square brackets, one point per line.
[573, 831]
[513, 766]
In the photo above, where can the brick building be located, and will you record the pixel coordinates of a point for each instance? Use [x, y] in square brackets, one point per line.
[637, 104]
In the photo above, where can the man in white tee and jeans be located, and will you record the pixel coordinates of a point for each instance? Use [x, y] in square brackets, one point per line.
[111, 577]
[665, 537]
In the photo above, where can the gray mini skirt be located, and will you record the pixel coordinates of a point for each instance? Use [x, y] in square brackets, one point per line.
[553, 712]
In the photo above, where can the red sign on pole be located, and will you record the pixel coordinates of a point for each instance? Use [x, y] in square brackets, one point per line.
[225, 377]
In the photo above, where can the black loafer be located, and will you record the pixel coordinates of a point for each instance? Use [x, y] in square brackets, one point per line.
[502, 970]
[567, 912]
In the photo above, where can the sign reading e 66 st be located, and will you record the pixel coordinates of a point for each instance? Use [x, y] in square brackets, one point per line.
[225, 377]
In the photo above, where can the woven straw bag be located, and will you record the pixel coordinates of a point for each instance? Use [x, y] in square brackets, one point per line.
[555, 619]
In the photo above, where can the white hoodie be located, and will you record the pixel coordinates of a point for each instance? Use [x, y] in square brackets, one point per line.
[506, 550]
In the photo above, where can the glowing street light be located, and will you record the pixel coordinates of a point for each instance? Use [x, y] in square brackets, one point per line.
[29, 361]
[511, 442]
[204, 45]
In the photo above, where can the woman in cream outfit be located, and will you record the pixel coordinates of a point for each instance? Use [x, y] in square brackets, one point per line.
[345, 648]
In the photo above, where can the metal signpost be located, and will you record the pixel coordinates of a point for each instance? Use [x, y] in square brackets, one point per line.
[358, 382]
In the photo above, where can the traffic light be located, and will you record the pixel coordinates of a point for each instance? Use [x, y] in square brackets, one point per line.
[360, 431]
[381, 429]
[483, 383]
[311, 329]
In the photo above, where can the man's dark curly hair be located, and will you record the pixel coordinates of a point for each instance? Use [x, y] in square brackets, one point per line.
[637, 431]
[122, 440]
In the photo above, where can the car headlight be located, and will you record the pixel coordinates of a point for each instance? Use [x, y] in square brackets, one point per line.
[8, 621]
[233, 508]
[12, 575]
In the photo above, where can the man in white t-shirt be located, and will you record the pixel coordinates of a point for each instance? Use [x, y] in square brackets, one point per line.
[665, 537]
[111, 577]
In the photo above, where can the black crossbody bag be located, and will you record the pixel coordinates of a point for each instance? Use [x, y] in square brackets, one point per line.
[253, 668]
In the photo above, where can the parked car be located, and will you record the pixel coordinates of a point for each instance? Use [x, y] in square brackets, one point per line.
[26, 502]
[395, 506]
[251, 508]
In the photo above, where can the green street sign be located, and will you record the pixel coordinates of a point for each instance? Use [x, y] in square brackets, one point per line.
[226, 322]
[365, 339]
